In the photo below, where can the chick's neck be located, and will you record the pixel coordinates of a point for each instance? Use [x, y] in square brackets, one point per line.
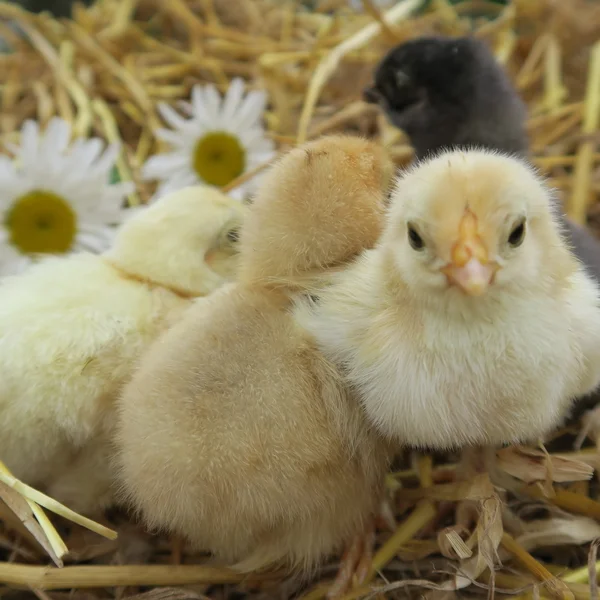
[148, 281]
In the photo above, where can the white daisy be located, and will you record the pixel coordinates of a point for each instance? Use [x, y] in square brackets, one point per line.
[223, 138]
[55, 197]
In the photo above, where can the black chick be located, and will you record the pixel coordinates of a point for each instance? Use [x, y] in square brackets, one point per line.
[449, 92]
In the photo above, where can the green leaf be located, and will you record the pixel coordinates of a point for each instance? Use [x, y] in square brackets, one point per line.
[114, 176]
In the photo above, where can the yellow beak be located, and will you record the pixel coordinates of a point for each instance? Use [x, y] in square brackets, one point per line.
[470, 267]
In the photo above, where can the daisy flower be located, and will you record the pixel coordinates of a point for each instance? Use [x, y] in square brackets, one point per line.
[221, 139]
[55, 197]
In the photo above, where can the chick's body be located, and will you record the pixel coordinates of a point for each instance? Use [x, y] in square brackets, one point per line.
[439, 367]
[236, 432]
[260, 454]
[63, 327]
[73, 328]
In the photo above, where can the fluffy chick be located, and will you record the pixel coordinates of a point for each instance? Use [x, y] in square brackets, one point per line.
[235, 431]
[452, 93]
[447, 93]
[470, 322]
[72, 329]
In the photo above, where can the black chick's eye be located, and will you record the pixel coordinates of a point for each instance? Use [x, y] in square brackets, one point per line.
[233, 235]
[517, 235]
[414, 239]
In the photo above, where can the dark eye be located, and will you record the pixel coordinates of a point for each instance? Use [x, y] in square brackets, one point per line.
[414, 239]
[517, 235]
[401, 78]
[233, 235]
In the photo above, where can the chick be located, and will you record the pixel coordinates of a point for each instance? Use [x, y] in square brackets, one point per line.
[72, 329]
[470, 322]
[451, 93]
[236, 432]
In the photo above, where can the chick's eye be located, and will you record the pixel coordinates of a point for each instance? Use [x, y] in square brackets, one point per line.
[517, 235]
[414, 239]
[233, 235]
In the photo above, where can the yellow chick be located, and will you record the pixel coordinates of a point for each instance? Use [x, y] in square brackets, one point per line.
[471, 322]
[72, 329]
[236, 432]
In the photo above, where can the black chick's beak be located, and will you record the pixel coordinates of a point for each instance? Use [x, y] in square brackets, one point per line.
[371, 95]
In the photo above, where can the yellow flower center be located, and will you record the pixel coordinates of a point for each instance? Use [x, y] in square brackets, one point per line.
[41, 222]
[219, 158]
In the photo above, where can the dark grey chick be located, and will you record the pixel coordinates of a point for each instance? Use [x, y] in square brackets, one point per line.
[451, 92]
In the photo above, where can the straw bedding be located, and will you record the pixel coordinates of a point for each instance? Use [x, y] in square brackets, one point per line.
[106, 70]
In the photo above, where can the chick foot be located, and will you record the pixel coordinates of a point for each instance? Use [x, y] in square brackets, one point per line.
[355, 564]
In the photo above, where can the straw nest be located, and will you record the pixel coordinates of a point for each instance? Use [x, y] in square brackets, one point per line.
[106, 70]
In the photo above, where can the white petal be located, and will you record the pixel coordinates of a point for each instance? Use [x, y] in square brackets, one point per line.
[56, 138]
[29, 138]
[252, 137]
[232, 101]
[211, 101]
[202, 110]
[187, 179]
[107, 161]
[171, 117]
[160, 166]
[7, 168]
[173, 184]
[175, 138]
[122, 189]
[252, 111]
[12, 262]
[86, 152]
[28, 155]
[93, 239]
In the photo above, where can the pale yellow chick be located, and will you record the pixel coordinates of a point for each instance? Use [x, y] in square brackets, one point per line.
[471, 322]
[72, 329]
[236, 432]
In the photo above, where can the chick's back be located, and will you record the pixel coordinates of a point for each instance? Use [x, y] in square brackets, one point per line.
[63, 324]
[236, 433]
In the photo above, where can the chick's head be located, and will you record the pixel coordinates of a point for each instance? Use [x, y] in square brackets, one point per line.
[412, 72]
[474, 223]
[187, 240]
[320, 205]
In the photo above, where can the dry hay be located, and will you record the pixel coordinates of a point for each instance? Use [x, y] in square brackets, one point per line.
[106, 70]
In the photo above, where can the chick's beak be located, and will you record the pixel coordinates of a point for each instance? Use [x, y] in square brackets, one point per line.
[470, 267]
[371, 95]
